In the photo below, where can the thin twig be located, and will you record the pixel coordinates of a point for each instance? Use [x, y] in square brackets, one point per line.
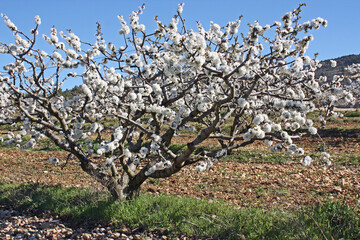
[67, 160]
[318, 227]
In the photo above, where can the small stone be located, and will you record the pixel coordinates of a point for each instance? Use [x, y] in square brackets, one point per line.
[33, 229]
[45, 225]
[4, 214]
[86, 236]
[125, 230]
[19, 236]
[62, 225]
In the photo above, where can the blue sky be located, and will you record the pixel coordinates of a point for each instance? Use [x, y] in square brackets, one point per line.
[341, 37]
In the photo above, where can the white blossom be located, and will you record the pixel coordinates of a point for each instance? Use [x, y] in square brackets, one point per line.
[306, 161]
[30, 144]
[180, 8]
[86, 91]
[333, 63]
[312, 130]
[268, 142]
[54, 160]
[276, 127]
[37, 20]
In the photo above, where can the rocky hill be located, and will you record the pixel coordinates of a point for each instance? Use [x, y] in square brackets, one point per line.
[342, 63]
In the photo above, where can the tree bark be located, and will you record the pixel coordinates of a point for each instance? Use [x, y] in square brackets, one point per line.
[120, 187]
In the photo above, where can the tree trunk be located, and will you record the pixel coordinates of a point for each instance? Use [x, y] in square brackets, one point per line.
[120, 188]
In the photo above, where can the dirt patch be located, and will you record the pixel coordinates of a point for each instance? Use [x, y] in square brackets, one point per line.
[286, 185]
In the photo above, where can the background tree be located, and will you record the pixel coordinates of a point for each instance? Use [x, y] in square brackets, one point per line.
[159, 85]
[340, 91]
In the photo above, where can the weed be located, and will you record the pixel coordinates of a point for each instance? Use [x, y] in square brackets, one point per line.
[177, 147]
[201, 186]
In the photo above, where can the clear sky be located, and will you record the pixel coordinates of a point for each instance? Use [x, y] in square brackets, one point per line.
[341, 37]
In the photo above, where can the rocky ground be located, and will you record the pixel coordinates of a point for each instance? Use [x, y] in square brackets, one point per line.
[35, 226]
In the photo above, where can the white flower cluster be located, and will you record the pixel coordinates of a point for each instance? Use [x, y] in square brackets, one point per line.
[9, 23]
[37, 20]
[326, 158]
[54, 160]
[111, 146]
[306, 161]
[157, 166]
[204, 165]
[125, 28]
[353, 68]
[134, 22]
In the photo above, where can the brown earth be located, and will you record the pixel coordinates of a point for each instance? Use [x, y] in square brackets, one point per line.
[287, 185]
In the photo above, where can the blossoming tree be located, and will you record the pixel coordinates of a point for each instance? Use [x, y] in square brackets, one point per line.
[338, 91]
[156, 86]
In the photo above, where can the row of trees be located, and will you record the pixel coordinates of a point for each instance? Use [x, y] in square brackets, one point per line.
[156, 86]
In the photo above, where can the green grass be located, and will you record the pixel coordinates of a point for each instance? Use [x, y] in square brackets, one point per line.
[350, 158]
[187, 215]
[347, 114]
[41, 145]
[177, 147]
[351, 120]
[46, 144]
[266, 156]
[352, 114]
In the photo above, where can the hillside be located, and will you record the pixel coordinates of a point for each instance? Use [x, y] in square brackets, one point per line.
[70, 93]
[342, 63]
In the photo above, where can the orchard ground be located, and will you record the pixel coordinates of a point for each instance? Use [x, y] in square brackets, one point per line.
[252, 177]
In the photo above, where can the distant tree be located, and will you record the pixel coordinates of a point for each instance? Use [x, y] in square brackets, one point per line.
[158, 85]
[70, 93]
[338, 91]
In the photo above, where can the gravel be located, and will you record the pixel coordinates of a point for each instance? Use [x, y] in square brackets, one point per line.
[16, 225]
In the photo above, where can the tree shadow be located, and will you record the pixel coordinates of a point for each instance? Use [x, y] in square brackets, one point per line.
[76, 206]
[339, 132]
